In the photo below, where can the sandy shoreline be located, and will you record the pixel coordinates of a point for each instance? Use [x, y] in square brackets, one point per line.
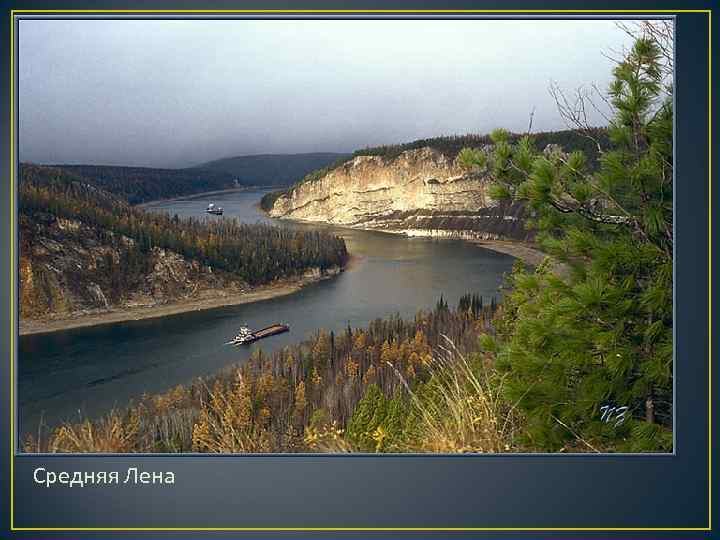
[528, 253]
[525, 251]
[258, 294]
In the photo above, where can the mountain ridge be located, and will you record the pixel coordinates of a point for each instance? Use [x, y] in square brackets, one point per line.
[138, 185]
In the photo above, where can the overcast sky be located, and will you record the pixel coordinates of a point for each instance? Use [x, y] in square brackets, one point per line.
[178, 93]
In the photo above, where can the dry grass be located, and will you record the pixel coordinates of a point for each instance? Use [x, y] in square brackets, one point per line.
[112, 434]
[464, 411]
[161, 423]
[227, 424]
[247, 410]
[328, 440]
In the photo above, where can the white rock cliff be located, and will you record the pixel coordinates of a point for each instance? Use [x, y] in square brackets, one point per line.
[419, 192]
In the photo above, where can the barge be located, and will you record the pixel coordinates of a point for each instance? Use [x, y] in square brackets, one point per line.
[246, 336]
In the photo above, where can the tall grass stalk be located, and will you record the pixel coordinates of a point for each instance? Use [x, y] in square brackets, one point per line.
[461, 409]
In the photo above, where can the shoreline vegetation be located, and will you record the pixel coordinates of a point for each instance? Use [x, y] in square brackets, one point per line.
[527, 252]
[280, 288]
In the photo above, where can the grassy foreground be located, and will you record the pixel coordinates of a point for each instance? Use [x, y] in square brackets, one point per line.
[396, 386]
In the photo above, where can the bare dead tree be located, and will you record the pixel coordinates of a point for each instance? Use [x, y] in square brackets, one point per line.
[532, 115]
[574, 111]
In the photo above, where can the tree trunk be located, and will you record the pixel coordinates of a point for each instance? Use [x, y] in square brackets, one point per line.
[649, 398]
[650, 408]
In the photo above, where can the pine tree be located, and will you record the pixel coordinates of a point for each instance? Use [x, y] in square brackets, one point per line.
[600, 337]
[367, 417]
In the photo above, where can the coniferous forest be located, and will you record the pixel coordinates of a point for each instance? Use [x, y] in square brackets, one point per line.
[578, 360]
[451, 145]
[141, 184]
[362, 389]
[256, 253]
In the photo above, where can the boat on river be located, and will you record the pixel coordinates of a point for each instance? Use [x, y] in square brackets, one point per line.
[246, 336]
[212, 209]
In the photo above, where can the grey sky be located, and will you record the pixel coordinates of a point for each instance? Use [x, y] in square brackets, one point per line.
[176, 93]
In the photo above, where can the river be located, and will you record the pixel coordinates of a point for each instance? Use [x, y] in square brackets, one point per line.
[86, 372]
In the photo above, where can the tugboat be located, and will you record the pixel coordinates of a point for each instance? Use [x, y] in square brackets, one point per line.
[246, 336]
[212, 209]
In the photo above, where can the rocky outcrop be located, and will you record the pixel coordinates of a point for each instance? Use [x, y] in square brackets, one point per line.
[69, 269]
[419, 192]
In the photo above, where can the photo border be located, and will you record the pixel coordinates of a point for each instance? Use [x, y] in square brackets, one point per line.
[14, 13]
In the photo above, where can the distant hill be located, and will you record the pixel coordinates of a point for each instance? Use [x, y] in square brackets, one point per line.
[141, 184]
[273, 169]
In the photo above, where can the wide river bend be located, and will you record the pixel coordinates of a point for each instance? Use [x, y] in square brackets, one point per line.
[85, 372]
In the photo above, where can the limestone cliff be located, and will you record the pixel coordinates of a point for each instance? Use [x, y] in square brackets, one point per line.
[419, 192]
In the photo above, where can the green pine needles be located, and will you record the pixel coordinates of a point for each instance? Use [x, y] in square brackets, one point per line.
[588, 354]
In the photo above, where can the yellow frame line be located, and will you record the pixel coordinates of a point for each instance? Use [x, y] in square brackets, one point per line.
[497, 529]
[359, 11]
[710, 299]
[13, 269]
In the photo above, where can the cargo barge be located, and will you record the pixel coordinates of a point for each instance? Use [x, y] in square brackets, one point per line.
[246, 336]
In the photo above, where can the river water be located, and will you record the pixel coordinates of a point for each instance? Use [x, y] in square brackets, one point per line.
[86, 372]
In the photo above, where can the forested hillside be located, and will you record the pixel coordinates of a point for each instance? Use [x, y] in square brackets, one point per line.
[272, 169]
[82, 246]
[451, 145]
[333, 392]
[141, 184]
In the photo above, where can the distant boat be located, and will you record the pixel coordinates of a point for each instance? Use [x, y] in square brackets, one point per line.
[246, 336]
[212, 209]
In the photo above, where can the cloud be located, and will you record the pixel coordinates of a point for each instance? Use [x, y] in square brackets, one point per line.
[180, 92]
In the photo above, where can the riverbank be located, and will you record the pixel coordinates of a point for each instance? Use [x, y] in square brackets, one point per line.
[527, 253]
[208, 301]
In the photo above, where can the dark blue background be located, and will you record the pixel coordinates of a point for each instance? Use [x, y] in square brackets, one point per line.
[420, 491]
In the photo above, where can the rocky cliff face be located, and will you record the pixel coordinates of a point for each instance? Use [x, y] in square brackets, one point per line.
[69, 269]
[420, 192]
